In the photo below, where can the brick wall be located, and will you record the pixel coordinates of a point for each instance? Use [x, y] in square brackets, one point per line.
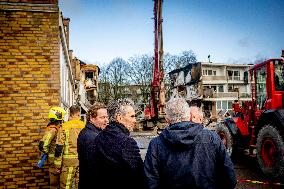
[29, 85]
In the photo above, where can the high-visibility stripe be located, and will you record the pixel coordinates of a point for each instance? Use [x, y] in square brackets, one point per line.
[71, 156]
[46, 141]
[261, 182]
[66, 149]
[56, 162]
[69, 176]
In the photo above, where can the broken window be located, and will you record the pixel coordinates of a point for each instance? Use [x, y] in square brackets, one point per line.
[89, 75]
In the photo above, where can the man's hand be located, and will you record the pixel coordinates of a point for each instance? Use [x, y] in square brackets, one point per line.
[58, 170]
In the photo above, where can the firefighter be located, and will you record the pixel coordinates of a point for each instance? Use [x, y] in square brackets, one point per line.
[66, 156]
[47, 143]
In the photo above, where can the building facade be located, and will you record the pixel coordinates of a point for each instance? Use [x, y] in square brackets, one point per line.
[212, 86]
[222, 84]
[35, 74]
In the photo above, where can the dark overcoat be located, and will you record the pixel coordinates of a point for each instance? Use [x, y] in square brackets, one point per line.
[185, 155]
[118, 163]
[86, 150]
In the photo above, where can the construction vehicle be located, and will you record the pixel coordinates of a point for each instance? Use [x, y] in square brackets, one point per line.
[257, 126]
[154, 114]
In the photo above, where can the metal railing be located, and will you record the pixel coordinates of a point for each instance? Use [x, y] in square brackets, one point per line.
[225, 95]
[210, 78]
[245, 95]
[234, 78]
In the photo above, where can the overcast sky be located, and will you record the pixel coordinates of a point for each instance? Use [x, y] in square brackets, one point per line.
[229, 30]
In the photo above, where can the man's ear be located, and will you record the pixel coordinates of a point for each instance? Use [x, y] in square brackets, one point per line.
[118, 118]
[190, 116]
[167, 120]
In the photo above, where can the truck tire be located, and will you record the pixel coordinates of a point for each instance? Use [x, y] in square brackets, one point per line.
[270, 151]
[226, 136]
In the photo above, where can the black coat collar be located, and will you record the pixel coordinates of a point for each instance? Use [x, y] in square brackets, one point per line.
[92, 127]
[119, 127]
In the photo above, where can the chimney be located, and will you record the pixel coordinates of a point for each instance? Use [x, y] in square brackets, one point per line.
[66, 22]
[282, 54]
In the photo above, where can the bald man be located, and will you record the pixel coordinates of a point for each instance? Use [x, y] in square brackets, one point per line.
[196, 114]
[185, 155]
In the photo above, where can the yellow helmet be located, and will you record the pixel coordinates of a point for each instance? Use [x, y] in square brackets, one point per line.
[56, 113]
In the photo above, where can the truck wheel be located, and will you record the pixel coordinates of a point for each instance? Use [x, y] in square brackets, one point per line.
[270, 151]
[226, 136]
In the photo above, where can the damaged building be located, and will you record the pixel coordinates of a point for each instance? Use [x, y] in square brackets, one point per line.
[212, 86]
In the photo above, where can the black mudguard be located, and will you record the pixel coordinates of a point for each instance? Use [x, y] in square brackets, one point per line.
[274, 117]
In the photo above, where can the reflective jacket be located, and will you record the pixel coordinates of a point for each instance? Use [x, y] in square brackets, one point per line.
[47, 143]
[66, 144]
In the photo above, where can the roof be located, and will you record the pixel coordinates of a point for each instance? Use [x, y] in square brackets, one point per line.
[228, 65]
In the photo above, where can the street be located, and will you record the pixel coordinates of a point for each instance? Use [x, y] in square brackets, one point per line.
[248, 174]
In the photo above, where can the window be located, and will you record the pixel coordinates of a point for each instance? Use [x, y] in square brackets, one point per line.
[218, 105]
[215, 88]
[233, 88]
[230, 104]
[209, 72]
[220, 88]
[261, 86]
[279, 76]
[89, 75]
[224, 105]
[233, 75]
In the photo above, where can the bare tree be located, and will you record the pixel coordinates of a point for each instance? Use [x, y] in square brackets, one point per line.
[186, 58]
[172, 62]
[116, 75]
[140, 74]
[133, 78]
[104, 92]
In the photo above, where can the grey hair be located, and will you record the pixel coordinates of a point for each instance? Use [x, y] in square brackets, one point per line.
[117, 107]
[177, 110]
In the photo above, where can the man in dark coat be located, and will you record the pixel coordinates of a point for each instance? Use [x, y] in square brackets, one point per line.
[118, 163]
[97, 119]
[185, 155]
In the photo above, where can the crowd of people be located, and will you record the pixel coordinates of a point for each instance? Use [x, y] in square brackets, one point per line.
[102, 154]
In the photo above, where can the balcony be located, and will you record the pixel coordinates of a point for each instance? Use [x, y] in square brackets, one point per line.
[90, 84]
[209, 94]
[210, 78]
[234, 78]
[245, 95]
[225, 95]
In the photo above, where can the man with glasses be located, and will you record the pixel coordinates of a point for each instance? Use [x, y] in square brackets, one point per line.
[118, 163]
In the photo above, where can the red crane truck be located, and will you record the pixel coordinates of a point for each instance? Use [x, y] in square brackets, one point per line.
[257, 126]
